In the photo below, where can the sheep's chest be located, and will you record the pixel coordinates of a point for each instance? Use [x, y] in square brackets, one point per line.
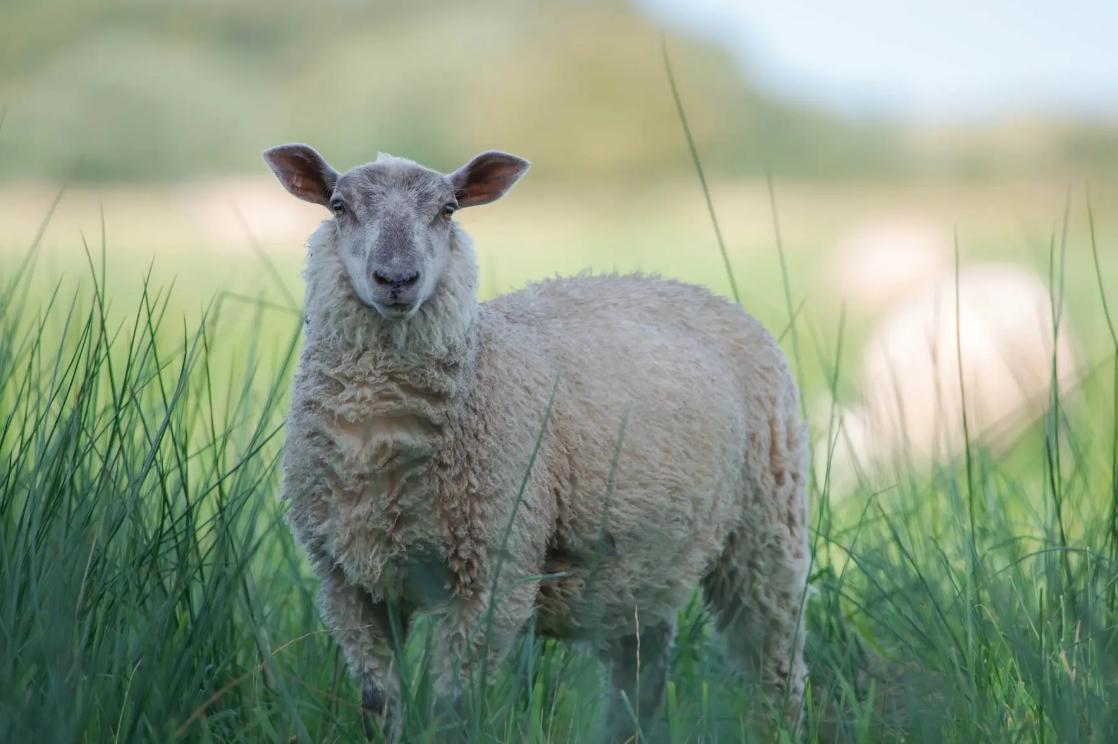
[386, 526]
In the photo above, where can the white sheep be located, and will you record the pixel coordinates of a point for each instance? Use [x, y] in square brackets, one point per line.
[911, 401]
[629, 438]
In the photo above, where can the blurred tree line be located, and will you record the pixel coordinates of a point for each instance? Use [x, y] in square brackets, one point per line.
[143, 89]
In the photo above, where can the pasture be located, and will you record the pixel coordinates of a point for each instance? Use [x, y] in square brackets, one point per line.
[151, 592]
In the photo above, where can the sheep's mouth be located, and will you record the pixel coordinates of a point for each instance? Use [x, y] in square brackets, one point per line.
[395, 310]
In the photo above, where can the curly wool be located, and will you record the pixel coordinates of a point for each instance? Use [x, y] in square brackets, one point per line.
[670, 454]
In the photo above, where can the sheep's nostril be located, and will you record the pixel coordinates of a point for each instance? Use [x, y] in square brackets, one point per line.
[395, 281]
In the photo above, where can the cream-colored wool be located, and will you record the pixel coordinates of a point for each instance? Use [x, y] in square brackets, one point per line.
[673, 456]
[983, 341]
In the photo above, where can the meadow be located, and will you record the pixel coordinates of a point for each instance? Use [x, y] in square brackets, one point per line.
[151, 592]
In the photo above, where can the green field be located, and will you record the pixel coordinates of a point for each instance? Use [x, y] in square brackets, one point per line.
[151, 591]
[150, 319]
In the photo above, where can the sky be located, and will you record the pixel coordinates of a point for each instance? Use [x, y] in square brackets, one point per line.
[946, 60]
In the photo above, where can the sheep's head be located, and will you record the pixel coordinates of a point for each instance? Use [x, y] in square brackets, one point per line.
[394, 218]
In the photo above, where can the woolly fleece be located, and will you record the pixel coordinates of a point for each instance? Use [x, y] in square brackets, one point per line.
[672, 455]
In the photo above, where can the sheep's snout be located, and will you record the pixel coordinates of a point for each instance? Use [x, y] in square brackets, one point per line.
[395, 291]
[395, 281]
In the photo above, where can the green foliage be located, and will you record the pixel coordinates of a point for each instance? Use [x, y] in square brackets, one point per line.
[141, 90]
[149, 590]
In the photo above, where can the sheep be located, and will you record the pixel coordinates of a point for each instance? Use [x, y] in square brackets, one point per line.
[911, 405]
[882, 259]
[580, 454]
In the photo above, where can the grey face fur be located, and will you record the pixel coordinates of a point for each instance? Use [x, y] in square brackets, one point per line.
[394, 218]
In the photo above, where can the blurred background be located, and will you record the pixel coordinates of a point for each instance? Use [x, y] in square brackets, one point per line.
[132, 90]
[916, 198]
[887, 131]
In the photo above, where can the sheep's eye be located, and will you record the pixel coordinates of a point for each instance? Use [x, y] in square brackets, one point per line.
[338, 207]
[448, 210]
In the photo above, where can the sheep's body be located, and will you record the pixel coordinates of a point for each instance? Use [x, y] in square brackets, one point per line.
[671, 454]
[676, 400]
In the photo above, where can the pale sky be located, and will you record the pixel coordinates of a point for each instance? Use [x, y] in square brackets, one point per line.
[948, 59]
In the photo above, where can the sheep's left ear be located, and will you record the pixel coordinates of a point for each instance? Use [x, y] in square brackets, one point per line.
[487, 177]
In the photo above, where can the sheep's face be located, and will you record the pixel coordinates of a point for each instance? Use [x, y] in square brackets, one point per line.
[394, 222]
[394, 218]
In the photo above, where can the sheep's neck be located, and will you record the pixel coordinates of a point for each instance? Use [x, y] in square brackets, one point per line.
[394, 429]
[392, 413]
[398, 408]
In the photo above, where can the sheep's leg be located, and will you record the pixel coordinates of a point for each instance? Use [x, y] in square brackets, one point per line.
[363, 630]
[756, 587]
[639, 668]
[478, 634]
[756, 594]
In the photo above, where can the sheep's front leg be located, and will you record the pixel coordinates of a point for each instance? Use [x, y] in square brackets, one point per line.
[478, 633]
[363, 630]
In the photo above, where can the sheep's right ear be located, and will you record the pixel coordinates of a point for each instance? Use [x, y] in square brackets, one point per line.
[303, 172]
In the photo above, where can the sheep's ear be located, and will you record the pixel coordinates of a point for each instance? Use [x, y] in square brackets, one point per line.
[487, 177]
[303, 172]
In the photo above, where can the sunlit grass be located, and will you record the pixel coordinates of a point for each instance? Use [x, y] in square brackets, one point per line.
[151, 591]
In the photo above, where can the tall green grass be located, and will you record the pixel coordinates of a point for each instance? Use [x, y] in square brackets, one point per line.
[149, 590]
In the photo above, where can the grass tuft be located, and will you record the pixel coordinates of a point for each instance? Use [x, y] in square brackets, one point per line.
[149, 590]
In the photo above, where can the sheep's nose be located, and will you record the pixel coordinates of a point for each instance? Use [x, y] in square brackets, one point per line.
[396, 280]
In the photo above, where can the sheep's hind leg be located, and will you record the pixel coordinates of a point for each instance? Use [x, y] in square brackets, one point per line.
[639, 668]
[756, 592]
[756, 588]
